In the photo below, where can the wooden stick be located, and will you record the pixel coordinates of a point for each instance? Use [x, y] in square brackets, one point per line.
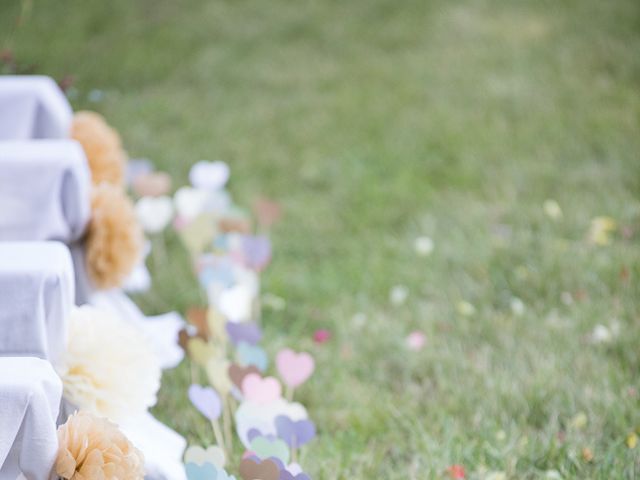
[194, 372]
[227, 422]
[289, 393]
[294, 451]
[218, 433]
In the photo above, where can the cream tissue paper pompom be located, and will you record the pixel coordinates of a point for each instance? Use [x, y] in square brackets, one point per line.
[92, 448]
[108, 368]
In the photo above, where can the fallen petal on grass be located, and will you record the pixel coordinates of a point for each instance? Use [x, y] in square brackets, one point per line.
[423, 246]
[552, 209]
[466, 309]
[398, 295]
[416, 340]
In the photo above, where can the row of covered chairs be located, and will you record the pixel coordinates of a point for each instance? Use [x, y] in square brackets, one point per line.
[45, 186]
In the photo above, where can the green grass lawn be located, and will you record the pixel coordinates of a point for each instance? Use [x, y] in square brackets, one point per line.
[374, 122]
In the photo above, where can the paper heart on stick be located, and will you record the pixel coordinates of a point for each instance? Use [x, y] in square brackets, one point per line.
[216, 323]
[261, 416]
[265, 447]
[137, 167]
[256, 251]
[206, 400]
[200, 351]
[197, 316]
[198, 455]
[237, 373]
[236, 303]
[151, 184]
[249, 332]
[294, 368]
[253, 469]
[209, 175]
[252, 355]
[154, 213]
[217, 372]
[206, 471]
[190, 202]
[196, 234]
[261, 390]
[295, 433]
[286, 475]
[267, 211]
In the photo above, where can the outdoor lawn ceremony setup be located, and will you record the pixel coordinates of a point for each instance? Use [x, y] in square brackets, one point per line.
[329, 240]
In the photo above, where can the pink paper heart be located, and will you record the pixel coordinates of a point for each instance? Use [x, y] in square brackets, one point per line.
[261, 390]
[295, 368]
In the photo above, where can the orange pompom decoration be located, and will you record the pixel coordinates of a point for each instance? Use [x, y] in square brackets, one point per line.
[114, 238]
[102, 146]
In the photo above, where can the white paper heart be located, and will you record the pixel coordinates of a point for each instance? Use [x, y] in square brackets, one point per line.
[262, 417]
[198, 455]
[209, 175]
[190, 202]
[154, 213]
[235, 303]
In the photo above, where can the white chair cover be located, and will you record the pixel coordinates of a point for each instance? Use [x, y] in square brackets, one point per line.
[32, 107]
[30, 393]
[36, 296]
[44, 190]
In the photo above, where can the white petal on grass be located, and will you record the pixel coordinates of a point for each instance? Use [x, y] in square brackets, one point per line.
[601, 334]
[566, 298]
[466, 309]
[416, 340]
[359, 320]
[552, 209]
[398, 295]
[517, 306]
[423, 246]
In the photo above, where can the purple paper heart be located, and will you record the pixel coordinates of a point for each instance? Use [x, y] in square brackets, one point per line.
[253, 433]
[278, 462]
[248, 332]
[256, 251]
[295, 434]
[206, 400]
[285, 475]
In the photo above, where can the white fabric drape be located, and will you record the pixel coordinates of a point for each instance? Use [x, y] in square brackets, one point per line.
[30, 393]
[32, 107]
[36, 297]
[44, 190]
[45, 195]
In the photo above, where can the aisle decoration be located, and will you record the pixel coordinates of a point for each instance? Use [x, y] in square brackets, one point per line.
[91, 447]
[108, 368]
[114, 239]
[102, 146]
[223, 339]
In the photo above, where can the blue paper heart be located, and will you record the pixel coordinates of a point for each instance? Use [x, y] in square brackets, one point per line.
[252, 355]
[206, 471]
[219, 274]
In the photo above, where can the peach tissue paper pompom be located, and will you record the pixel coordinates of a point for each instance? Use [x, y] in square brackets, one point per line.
[92, 448]
[108, 368]
[102, 146]
[114, 239]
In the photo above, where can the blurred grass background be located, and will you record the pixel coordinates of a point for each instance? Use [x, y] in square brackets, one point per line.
[374, 122]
